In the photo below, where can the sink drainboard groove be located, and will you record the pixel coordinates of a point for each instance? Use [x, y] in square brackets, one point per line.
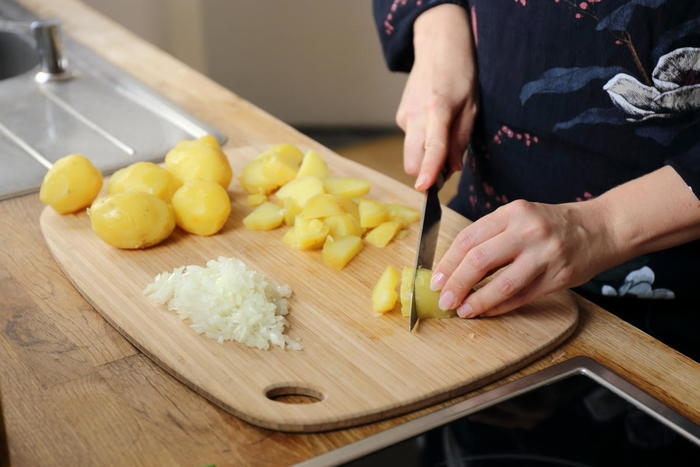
[26, 147]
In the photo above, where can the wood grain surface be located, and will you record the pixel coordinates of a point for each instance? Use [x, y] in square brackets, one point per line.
[75, 392]
[360, 366]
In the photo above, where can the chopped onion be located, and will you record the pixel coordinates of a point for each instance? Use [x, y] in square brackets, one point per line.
[226, 300]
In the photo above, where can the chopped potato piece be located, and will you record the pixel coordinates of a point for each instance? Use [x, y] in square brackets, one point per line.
[267, 216]
[381, 235]
[337, 253]
[350, 207]
[347, 187]
[372, 213]
[402, 214]
[426, 299]
[301, 189]
[314, 165]
[201, 207]
[71, 184]
[291, 210]
[267, 173]
[288, 152]
[342, 225]
[384, 295]
[307, 234]
[278, 169]
[322, 205]
[256, 199]
[199, 159]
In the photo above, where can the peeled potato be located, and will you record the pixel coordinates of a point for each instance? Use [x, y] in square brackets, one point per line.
[146, 177]
[201, 207]
[199, 159]
[384, 294]
[131, 219]
[71, 184]
[426, 299]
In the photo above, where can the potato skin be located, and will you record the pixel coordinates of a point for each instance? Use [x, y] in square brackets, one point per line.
[146, 177]
[199, 159]
[201, 207]
[132, 220]
[71, 184]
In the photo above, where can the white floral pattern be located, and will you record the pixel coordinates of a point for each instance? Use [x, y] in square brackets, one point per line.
[676, 87]
[639, 283]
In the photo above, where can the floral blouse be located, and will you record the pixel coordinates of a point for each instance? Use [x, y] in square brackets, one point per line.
[576, 98]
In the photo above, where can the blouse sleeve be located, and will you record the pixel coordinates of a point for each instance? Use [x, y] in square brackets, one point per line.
[394, 20]
[688, 167]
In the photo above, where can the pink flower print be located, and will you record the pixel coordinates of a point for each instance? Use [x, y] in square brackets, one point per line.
[472, 201]
[488, 189]
[506, 132]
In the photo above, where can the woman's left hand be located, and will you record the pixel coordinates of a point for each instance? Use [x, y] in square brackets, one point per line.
[540, 248]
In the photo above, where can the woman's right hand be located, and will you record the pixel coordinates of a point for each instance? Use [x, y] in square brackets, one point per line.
[439, 102]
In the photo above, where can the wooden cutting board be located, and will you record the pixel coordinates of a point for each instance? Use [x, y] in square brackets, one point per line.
[360, 367]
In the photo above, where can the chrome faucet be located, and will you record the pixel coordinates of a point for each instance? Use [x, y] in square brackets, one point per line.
[47, 36]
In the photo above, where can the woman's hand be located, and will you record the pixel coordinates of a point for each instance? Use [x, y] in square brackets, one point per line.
[541, 248]
[439, 102]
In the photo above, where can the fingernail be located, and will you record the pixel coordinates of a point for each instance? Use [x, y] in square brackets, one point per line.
[437, 281]
[421, 181]
[446, 300]
[465, 311]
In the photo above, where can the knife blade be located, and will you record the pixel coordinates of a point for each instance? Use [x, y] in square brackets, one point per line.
[427, 237]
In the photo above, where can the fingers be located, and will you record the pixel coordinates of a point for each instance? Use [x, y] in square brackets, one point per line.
[477, 263]
[473, 235]
[413, 145]
[510, 288]
[436, 145]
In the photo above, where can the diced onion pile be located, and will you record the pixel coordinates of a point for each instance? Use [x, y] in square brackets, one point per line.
[226, 300]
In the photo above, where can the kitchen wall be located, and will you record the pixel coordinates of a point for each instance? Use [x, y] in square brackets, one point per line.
[309, 62]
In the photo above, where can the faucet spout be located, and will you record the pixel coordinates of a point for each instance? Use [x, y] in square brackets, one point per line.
[52, 63]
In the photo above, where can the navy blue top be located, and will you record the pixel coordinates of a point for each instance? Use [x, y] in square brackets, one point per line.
[576, 98]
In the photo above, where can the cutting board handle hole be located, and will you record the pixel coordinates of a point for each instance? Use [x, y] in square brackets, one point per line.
[294, 394]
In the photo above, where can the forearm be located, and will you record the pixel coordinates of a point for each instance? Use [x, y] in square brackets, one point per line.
[443, 26]
[650, 213]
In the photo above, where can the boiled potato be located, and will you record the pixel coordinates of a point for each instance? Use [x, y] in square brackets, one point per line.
[255, 199]
[201, 207]
[402, 214]
[342, 225]
[132, 219]
[146, 177]
[347, 187]
[291, 210]
[267, 216]
[384, 295]
[350, 207]
[372, 213]
[71, 184]
[199, 159]
[381, 235]
[426, 299]
[313, 165]
[322, 205]
[301, 190]
[307, 234]
[337, 253]
[289, 152]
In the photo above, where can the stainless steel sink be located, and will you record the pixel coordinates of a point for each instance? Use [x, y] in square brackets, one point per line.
[99, 111]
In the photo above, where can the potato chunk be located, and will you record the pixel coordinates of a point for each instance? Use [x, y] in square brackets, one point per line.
[301, 189]
[199, 159]
[402, 214]
[201, 207]
[146, 177]
[337, 253]
[350, 207]
[71, 184]
[322, 205]
[372, 213]
[256, 199]
[267, 216]
[288, 152]
[384, 295]
[347, 187]
[381, 235]
[314, 165]
[307, 234]
[267, 173]
[132, 219]
[426, 299]
[342, 225]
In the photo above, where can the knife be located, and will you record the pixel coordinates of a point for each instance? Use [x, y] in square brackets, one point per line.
[428, 235]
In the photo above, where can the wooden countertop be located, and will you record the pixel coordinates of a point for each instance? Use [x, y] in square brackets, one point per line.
[74, 392]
